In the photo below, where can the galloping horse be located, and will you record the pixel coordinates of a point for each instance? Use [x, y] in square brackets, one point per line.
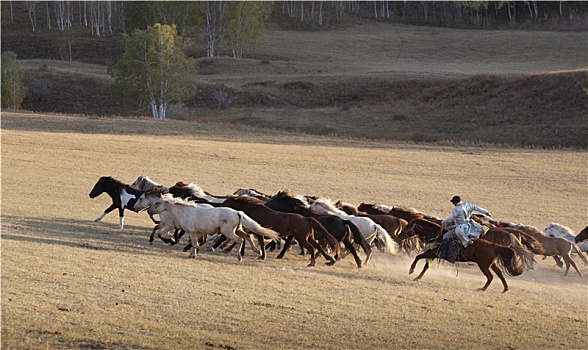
[371, 231]
[557, 230]
[189, 191]
[392, 224]
[198, 221]
[285, 201]
[555, 246]
[123, 197]
[287, 224]
[484, 253]
[430, 232]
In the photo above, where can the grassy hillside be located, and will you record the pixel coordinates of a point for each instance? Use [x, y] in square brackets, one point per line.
[374, 81]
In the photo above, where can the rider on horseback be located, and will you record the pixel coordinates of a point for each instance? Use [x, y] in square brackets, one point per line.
[465, 228]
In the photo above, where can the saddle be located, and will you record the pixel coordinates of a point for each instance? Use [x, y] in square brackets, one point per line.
[449, 250]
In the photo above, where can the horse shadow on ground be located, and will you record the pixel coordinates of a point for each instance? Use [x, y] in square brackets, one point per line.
[80, 234]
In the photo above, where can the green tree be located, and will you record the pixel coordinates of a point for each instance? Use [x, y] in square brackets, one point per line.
[154, 69]
[13, 89]
[245, 22]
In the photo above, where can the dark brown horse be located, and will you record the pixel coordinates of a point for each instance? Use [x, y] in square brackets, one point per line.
[343, 230]
[287, 224]
[582, 236]
[392, 224]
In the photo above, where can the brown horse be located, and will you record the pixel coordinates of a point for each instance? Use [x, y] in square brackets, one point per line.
[431, 233]
[392, 224]
[287, 224]
[555, 246]
[486, 255]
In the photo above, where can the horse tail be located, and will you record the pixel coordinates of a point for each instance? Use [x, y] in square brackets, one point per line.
[509, 260]
[519, 249]
[358, 237]
[391, 246]
[531, 243]
[324, 234]
[252, 225]
[579, 252]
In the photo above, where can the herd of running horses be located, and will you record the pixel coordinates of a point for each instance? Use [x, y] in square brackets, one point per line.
[321, 226]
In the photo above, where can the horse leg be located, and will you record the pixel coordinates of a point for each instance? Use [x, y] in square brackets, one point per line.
[261, 242]
[192, 247]
[178, 233]
[485, 268]
[568, 260]
[153, 234]
[429, 254]
[317, 246]
[498, 273]
[306, 244]
[351, 248]
[286, 246]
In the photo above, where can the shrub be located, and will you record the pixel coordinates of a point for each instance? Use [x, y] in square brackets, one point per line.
[13, 89]
[223, 98]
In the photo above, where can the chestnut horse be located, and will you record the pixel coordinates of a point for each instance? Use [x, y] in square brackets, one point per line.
[484, 253]
[287, 224]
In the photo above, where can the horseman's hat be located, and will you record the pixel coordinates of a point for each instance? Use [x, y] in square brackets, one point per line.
[455, 199]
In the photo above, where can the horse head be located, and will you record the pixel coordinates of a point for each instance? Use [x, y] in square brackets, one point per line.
[409, 230]
[99, 187]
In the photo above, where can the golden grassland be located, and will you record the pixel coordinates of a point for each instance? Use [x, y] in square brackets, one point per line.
[68, 282]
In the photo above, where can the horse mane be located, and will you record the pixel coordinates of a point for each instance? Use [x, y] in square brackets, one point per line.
[194, 189]
[529, 228]
[295, 200]
[406, 210]
[327, 204]
[157, 192]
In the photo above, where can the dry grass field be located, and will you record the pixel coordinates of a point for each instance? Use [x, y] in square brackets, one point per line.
[474, 97]
[68, 282]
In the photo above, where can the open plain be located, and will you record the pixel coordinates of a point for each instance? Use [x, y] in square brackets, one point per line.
[68, 282]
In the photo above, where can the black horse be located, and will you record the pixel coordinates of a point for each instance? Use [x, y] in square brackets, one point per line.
[123, 197]
[339, 228]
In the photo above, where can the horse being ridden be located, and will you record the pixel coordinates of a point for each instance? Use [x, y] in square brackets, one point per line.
[430, 231]
[304, 229]
[485, 254]
[343, 230]
[123, 197]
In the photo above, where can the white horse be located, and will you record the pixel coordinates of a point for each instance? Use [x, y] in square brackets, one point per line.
[144, 183]
[198, 221]
[556, 230]
[368, 228]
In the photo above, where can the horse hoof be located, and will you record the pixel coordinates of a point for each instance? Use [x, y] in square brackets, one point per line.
[410, 271]
[330, 263]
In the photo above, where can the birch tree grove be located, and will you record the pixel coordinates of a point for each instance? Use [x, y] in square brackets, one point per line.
[154, 69]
